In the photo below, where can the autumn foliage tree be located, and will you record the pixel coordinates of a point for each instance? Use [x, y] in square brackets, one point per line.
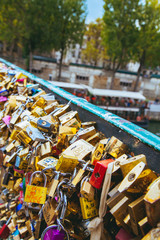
[94, 49]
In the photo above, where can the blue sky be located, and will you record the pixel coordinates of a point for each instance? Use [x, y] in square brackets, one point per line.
[94, 9]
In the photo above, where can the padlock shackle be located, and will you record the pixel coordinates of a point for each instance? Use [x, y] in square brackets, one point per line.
[48, 168]
[64, 207]
[86, 178]
[54, 226]
[26, 116]
[44, 175]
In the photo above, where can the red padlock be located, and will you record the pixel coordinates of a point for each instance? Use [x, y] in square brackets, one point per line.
[55, 151]
[5, 231]
[98, 174]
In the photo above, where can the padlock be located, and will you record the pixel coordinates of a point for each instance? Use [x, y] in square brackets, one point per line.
[49, 211]
[55, 151]
[10, 146]
[79, 175]
[120, 210]
[16, 115]
[23, 137]
[6, 119]
[53, 231]
[54, 184]
[5, 231]
[35, 134]
[73, 123]
[41, 102]
[24, 152]
[38, 112]
[79, 149]
[44, 126]
[118, 161]
[68, 116]
[138, 179]
[66, 130]
[144, 226]
[87, 190]
[86, 133]
[97, 153]
[6, 178]
[50, 108]
[127, 165]
[46, 149]
[152, 202]
[61, 111]
[98, 174]
[25, 113]
[4, 92]
[38, 94]
[94, 139]
[12, 158]
[115, 147]
[47, 162]
[123, 235]
[66, 163]
[89, 208]
[137, 212]
[33, 121]
[38, 226]
[36, 194]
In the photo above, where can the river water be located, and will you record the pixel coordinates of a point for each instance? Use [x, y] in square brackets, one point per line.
[154, 127]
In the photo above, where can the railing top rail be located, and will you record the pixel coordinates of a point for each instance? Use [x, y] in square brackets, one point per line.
[141, 134]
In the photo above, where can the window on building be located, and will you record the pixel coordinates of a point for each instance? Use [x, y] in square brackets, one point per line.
[126, 84]
[84, 78]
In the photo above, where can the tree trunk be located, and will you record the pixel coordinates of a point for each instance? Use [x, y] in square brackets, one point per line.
[142, 61]
[112, 79]
[60, 65]
[11, 49]
[4, 48]
[30, 61]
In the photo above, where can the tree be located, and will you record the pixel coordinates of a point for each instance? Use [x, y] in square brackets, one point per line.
[69, 25]
[94, 50]
[27, 24]
[11, 26]
[119, 32]
[146, 46]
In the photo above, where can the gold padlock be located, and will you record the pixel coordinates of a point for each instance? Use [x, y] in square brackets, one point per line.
[37, 95]
[89, 208]
[46, 149]
[80, 149]
[50, 108]
[97, 153]
[38, 112]
[66, 163]
[47, 162]
[94, 139]
[127, 165]
[41, 102]
[68, 116]
[23, 137]
[73, 123]
[152, 202]
[23, 152]
[86, 133]
[35, 194]
[115, 147]
[87, 190]
[49, 211]
[137, 212]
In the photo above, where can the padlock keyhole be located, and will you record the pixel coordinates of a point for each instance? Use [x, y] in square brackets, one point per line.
[97, 175]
